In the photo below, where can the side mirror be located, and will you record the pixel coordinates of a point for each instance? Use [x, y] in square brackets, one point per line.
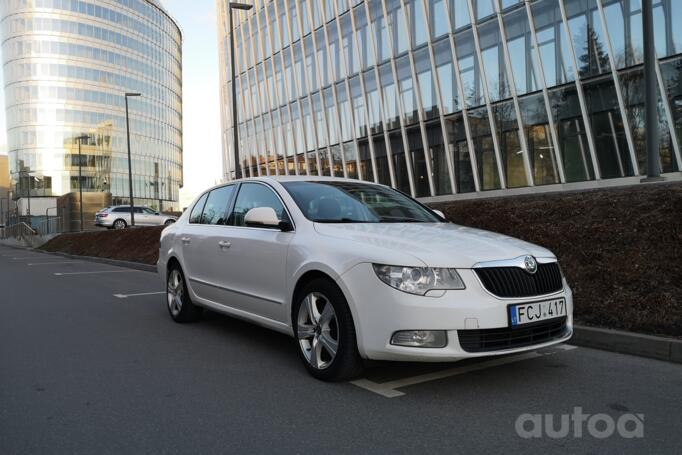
[439, 213]
[262, 216]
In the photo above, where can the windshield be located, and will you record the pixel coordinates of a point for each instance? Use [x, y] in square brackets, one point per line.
[350, 202]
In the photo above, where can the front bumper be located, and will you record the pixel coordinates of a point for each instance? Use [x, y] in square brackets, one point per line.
[379, 311]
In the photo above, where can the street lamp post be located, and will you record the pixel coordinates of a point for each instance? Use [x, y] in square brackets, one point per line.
[235, 123]
[28, 183]
[650, 95]
[80, 176]
[9, 194]
[130, 166]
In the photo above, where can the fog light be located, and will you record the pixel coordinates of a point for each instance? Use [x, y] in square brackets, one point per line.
[420, 338]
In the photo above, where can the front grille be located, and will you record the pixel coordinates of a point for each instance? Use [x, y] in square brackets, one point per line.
[516, 282]
[485, 340]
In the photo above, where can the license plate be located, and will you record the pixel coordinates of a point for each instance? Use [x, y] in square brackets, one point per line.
[526, 313]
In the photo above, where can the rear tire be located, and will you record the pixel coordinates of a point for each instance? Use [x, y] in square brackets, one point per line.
[120, 224]
[325, 332]
[179, 304]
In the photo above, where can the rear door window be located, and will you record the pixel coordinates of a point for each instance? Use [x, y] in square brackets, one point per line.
[215, 210]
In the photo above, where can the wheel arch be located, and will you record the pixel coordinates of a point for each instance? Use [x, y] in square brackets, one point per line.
[306, 278]
[172, 261]
[313, 274]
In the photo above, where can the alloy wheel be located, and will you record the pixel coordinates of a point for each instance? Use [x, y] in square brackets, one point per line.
[175, 292]
[318, 330]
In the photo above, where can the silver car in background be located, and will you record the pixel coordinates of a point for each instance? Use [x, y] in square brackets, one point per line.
[118, 217]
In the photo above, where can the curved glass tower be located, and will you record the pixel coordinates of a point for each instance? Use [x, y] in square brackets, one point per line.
[444, 97]
[67, 65]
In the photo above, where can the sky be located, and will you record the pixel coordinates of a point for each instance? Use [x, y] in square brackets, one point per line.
[201, 109]
[201, 95]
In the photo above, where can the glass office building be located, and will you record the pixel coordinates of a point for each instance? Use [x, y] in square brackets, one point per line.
[67, 65]
[443, 97]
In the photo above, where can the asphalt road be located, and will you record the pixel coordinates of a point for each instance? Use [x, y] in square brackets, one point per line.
[84, 371]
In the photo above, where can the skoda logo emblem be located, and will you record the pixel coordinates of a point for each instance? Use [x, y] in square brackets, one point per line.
[530, 265]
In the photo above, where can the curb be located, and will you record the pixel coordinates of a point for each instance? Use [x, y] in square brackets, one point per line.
[653, 347]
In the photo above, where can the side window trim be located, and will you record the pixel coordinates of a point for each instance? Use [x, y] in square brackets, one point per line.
[189, 220]
[230, 204]
[271, 188]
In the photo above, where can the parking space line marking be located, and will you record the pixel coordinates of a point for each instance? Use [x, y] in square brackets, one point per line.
[95, 272]
[35, 256]
[125, 296]
[388, 389]
[50, 263]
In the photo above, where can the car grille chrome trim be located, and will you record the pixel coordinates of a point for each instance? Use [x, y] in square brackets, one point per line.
[487, 340]
[515, 282]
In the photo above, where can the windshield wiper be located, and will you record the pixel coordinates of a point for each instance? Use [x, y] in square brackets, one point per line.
[341, 220]
[400, 219]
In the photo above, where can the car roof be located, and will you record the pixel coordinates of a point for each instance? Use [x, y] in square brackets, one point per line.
[296, 178]
[306, 178]
[287, 178]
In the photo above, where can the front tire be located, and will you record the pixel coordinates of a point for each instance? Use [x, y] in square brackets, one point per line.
[180, 306]
[324, 328]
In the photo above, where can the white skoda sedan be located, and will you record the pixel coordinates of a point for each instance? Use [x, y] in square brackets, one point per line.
[355, 271]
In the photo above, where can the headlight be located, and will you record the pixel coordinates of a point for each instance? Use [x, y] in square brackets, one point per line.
[418, 280]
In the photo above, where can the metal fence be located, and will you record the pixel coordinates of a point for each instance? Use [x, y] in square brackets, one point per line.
[52, 225]
[18, 231]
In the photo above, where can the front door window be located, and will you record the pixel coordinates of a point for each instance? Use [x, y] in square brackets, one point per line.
[252, 195]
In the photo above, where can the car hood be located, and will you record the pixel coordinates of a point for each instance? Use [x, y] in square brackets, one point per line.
[435, 244]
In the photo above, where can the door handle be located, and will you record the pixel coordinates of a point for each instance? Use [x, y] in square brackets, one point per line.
[224, 244]
[186, 240]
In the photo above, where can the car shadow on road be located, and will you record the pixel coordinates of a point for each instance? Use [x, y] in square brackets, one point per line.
[255, 342]
[242, 334]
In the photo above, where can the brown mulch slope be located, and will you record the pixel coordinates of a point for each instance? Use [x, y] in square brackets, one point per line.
[137, 245]
[621, 249]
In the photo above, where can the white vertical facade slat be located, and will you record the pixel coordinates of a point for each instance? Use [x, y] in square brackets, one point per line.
[512, 90]
[556, 152]
[399, 98]
[581, 93]
[420, 103]
[619, 89]
[439, 101]
[361, 77]
[486, 96]
[462, 100]
[382, 105]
